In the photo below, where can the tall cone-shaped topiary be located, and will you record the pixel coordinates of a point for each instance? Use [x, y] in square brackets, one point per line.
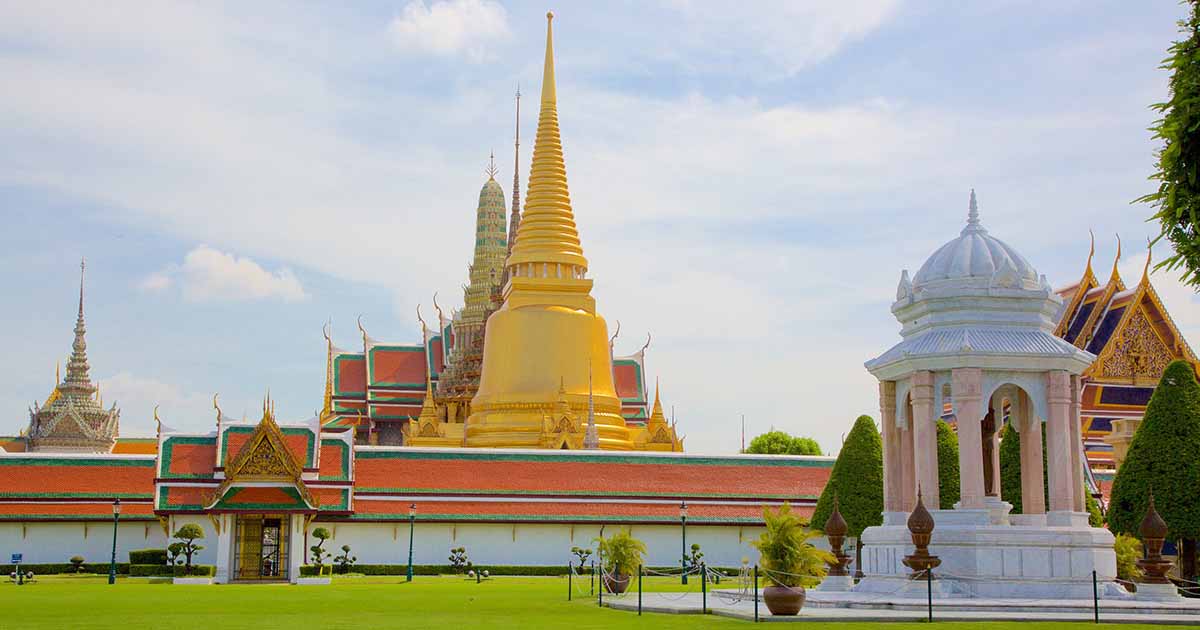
[948, 483]
[857, 481]
[1163, 456]
[1010, 467]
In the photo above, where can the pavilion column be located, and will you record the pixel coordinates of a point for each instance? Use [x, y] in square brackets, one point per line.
[1033, 493]
[892, 466]
[991, 446]
[1059, 453]
[968, 409]
[908, 466]
[924, 431]
[1077, 456]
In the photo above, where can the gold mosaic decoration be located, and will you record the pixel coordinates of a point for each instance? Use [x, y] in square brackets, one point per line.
[1139, 353]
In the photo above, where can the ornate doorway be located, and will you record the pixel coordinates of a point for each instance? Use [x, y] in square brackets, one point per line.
[261, 547]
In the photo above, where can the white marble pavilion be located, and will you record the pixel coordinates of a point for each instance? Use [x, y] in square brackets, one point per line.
[978, 333]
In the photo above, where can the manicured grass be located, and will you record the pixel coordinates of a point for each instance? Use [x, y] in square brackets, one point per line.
[358, 603]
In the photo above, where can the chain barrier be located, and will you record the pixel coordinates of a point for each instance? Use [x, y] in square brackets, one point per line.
[580, 585]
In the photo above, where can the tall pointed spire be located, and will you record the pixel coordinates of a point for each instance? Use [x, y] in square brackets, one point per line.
[77, 365]
[591, 439]
[515, 220]
[548, 235]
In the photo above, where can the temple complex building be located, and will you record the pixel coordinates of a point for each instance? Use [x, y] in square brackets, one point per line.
[1132, 335]
[420, 433]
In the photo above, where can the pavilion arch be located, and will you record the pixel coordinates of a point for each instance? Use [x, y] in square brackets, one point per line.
[1032, 383]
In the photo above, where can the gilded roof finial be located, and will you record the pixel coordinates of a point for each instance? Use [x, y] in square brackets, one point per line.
[157, 422]
[441, 316]
[1091, 250]
[1116, 260]
[613, 340]
[218, 408]
[491, 169]
[424, 326]
[327, 408]
[363, 331]
[646, 345]
[1146, 269]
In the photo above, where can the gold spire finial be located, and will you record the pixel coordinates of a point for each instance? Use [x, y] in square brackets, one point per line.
[327, 408]
[57, 377]
[1117, 259]
[491, 169]
[548, 234]
[1146, 269]
[1091, 249]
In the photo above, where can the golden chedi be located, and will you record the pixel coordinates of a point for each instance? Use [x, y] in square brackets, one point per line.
[547, 336]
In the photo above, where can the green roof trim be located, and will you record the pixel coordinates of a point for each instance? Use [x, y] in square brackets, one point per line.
[337, 374]
[565, 518]
[77, 495]
[768, 461]
[117, 461]
[371, 365]
[581, 493]
[344, 464]
[168, 452]
[164, 493]
[297, 502]
[308, 448]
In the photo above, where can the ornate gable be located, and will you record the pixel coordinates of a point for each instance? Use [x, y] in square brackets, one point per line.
[1144, 341]
[263, 458]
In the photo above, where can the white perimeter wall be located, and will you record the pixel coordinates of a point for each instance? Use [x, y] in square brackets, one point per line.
[528, 544]
[387, 543]
[58, 541]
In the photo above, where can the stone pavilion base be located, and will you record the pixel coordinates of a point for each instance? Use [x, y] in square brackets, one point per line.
[1050, 556]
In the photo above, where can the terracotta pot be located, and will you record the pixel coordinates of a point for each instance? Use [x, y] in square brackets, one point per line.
[784, 600]
[616, 584]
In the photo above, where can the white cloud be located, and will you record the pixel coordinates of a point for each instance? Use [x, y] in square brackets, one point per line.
[137, 396]
[209, 275]
[774, 37]
[157, 281]
[451, 27]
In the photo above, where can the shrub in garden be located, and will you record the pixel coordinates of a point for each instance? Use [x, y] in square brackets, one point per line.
[345, 560]
[318, 550]
[77, 563]
[188, 535]
[458, 559]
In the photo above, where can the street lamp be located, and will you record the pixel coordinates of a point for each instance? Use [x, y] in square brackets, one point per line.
[683, 526]
[412, 519]
[112, 565]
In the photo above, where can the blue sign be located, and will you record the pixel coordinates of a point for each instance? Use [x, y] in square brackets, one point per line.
[16, 558]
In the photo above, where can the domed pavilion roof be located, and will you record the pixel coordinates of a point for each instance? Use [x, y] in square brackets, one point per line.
[975, 254]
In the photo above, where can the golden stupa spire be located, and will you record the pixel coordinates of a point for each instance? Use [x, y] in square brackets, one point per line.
[656, 415]
[327, 408]
[428, 407]
[548, 236]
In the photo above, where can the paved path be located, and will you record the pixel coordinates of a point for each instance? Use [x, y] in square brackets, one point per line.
[858, 607]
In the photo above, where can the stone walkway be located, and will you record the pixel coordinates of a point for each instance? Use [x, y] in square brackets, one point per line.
[830, 607]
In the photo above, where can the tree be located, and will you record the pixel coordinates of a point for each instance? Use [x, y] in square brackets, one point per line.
[188, 534]
[174, 550]
[782, 443]
[1162, 457]
[1010, 476]
[1177, 200]
[582, 554]
[949, 486]
[1010, 467]
[318, 550]
[345, 560]
[857, 480]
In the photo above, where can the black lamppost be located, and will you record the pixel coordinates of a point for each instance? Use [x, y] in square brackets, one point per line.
[683, 526]
[112, 565]
[412, 519]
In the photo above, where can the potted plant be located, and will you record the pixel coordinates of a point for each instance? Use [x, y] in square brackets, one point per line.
[620, 553]
[790, 561]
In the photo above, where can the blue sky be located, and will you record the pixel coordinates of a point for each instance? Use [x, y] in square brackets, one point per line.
[749, 180]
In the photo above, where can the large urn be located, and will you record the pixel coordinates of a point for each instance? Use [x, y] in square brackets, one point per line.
[616, 583]
[784, 600]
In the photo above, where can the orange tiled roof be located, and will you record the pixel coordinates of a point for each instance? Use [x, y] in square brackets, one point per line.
[565, 511]
[58, 476]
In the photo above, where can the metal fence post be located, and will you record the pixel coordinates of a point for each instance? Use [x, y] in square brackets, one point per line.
[639, 590]
[929, 592]
[592, 580]
[570, 572]
[600, 591]
[756, 593]
[1095, 598]
[703, 588]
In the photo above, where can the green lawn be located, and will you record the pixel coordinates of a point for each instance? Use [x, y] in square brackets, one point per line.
[357, 603]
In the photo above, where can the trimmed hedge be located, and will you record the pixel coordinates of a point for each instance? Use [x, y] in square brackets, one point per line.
[949, 483]
[310, 570]
[856, 479]
[150, 570]
[148, 556]
[51, 568]
[198, 570]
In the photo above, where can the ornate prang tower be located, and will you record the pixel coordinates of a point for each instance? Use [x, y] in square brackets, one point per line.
[460, 380]
[547, 332]
[72, 419]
